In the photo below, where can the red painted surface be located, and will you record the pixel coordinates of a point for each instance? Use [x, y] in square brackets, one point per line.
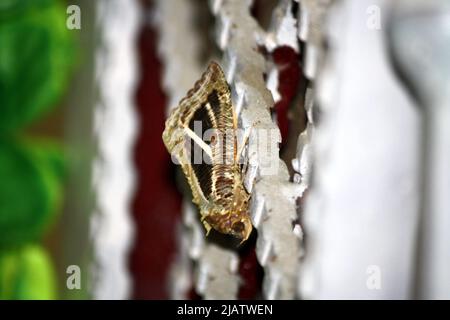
[250, 271]
[287, 62]
[157, 204]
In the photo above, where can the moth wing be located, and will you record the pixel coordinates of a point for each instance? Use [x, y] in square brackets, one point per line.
[208, 103]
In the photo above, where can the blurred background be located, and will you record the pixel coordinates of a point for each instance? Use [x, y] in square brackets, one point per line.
[91, 206]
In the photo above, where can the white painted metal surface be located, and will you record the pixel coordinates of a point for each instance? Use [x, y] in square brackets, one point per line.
[115, 128]
[362, 211]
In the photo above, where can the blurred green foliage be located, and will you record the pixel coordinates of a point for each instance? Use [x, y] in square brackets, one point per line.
[26, 273]
[36, 54]
[30, 189]
[36, 57]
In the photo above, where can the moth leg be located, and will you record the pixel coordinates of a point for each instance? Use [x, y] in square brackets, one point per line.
[244, 169]
[199, 141]
[235, 119]
[244, 142]
[235, 144]
[207, 226]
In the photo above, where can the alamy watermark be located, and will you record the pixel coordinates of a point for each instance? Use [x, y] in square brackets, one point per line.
[373, 21]
[225, 147]
[373, 281]
[73, 21]
[73, 281]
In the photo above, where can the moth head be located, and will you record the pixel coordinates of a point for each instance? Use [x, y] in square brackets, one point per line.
[234, 220]
[241, 225]
[241, 228]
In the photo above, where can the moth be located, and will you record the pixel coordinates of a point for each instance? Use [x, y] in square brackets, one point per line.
[216, 182]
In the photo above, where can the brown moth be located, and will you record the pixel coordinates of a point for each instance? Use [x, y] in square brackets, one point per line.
[216, 185]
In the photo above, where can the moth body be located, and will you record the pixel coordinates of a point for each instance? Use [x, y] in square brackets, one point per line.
[215, 180]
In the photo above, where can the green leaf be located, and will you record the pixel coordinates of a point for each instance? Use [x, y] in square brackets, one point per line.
[36, 55]
[30, 189]
[26, 273]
